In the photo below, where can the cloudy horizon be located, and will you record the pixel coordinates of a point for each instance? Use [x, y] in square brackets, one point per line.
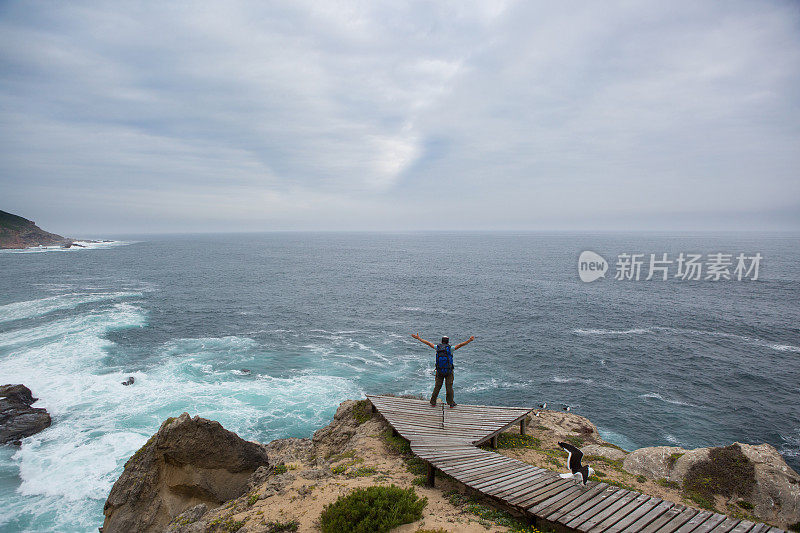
[147, 117]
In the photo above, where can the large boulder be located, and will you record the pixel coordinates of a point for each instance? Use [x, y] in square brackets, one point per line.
[189, 461]
[17, 418]
[775, 493]
[655, 462]
[609, 452]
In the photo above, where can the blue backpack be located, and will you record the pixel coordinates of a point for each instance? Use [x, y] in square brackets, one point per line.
[444, 359]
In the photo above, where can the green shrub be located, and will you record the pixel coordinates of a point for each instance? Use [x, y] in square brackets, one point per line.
[744, 504]
[575, 441]
[701, 500]
[794, 527]
[252, 499]
[362, 411]
[640, 479]
[664, 482]
[373, 509]
[513, 440]
[362, 471]
[727, 471]
[281, 527]
[396, 444]
[672, 458]
[280, 469]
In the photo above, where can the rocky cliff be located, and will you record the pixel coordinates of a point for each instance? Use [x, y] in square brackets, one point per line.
[188, 462]
[17, 418]
[357, 449]
[18, 232]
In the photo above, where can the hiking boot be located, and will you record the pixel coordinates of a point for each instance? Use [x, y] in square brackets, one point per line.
[433, 404]
[452, 405]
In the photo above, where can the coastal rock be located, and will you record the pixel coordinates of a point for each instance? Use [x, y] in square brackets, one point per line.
[777, 491]
[189, 461]
[775, 497]
[654, 463]
[17, 418]
[335, 436]
[18, 232]
[189, 520]
[614, 454]
[129, 381]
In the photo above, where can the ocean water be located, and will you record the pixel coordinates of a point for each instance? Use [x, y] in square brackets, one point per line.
[320, 318]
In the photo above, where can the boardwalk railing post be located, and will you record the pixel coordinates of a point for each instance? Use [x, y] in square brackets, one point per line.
[523, 426]
[431, 475]
[494, 441]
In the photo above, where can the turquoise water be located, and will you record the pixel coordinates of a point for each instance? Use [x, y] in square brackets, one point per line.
[319, 318]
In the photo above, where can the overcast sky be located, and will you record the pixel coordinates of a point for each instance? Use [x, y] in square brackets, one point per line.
[247, 116]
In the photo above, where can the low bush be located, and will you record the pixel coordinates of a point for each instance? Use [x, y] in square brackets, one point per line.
[362, 411]
[373, 509]
[282, 527]
[727, 471]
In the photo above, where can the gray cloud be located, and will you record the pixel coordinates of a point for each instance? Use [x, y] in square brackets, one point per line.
[237, 115]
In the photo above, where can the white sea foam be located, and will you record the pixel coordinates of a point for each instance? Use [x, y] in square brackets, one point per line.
[558, 379]
[83, 245]
[632, 331]
[98, 423]
[656, 396]
[785, 348]
[686, 331]
[43, 306]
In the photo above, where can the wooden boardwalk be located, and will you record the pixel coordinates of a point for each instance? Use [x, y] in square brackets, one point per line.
[447, 438]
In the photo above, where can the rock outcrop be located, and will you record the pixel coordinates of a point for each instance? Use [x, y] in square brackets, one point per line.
[17, 418]
[773, 497]
[188, 462]
[18, 232]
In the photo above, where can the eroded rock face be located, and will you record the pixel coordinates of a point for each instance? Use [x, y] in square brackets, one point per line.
[17, 418]
[615, 454]
[189, 461]
[775, 496]
[333, 437]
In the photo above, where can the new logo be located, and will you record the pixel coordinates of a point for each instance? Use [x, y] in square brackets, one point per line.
[591, 266]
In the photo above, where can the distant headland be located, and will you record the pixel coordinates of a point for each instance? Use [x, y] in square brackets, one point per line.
[19, 232]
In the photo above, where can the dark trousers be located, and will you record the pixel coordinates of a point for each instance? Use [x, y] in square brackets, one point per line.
[448, 382]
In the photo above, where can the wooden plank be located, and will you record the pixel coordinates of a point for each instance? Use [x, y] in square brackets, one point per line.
[524, 482]
[562, 498]
[682, 518]
[579, 520]
[506, 478]
[713, 521]
[727, 525]
[531, 497]
[588, 504]
[760, 528]
[522, 493]
[621, 513]
[743, 527]
[554, 514]
[545, 493]
[694, 522]
[634, 515]
[647, 518]
[612, 509]
[665, 518]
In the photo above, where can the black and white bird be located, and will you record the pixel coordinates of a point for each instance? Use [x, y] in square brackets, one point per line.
[543, 405]
[574, 462]
[567, 408]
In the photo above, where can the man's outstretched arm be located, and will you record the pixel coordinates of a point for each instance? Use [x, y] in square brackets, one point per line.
[457, 346]
[420, 339]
